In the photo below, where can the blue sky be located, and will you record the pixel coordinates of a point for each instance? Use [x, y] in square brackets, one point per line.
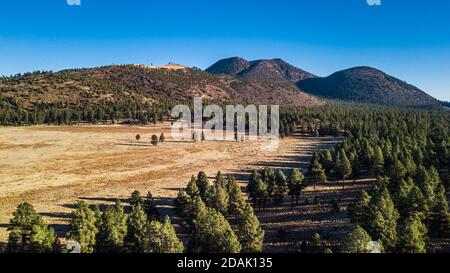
[408, 39]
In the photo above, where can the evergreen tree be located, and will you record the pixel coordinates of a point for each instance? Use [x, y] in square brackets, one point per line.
[82, 227]
[113, 229]
[378, 162]
[360, 211]
[236, 201]
[150, 207]
[439, 220]
[43, 238]
[218, 199]
[356, 241]
[202, 184]
[154, 140]
[412, 235]
[163, 238]
[317, 171]
[192, 189]
[136, 199]
[250, 234]
[21, 227]
[162, 138]
[384, 223]
[213, 234]
[137, 225]
[295, 185]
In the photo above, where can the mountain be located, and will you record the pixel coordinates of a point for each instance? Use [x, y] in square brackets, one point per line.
[367, 85]
[141, 84]
[275, 70]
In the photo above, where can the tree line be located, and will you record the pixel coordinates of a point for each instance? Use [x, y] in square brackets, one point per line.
[114, 229]
[217, 217]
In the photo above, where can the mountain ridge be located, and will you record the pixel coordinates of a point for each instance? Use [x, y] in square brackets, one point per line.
[367, 85]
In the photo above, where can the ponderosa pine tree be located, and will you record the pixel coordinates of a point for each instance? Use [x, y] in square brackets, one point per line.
[236, 201]
[137, 225]
[218, 198]
[412, 235]
[296, 184]
[150, 208]
[43, 238]
[439, 219]
[162, 138]
[83, 228]
[21, 228]
[154, 140]
[113, 229]
[250, 234]
[359, 211]
[163, 238]
[384, 222]
[213, 234]
[268, 176]
[317, 171]
[356, 241]
[378, 162]
[192, 189]
[202, 184]
[136, 199]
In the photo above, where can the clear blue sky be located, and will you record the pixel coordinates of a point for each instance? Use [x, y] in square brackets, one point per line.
[408, 39]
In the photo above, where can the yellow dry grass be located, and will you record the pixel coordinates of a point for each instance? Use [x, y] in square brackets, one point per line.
[53, 167]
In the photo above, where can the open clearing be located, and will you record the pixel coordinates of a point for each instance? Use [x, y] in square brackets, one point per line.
[53, 167]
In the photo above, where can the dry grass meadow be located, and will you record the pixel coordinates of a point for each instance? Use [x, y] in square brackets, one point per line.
[53, 167]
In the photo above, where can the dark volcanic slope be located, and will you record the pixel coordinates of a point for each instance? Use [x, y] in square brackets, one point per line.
[120, 83]
[368, 85]
[230, 66]
[275, 70]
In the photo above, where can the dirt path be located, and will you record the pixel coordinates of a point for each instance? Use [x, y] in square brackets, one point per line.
[53, 167]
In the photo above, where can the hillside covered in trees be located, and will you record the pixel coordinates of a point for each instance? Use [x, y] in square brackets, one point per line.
[128, 92]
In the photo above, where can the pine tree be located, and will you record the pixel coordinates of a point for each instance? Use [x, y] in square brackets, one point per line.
[21, 228]
[82, 227]
[268, 176]
[150, 208]
[163, 238]
[113, 229]
[360, 211]
[137, 225]
[43, 238]
[295, 185]
[261, 193]
[154, 140]
[192, 189]
[378, 161]
[252, 184]
[136, 199]
[356, 241]
[236, 201]
[162, 138]
[183, 204]
[439, 220]
[251, 235]
[412, 235]
[202, 184]
[317, 171]
[218, 199]
[213, 234]
[384, 222]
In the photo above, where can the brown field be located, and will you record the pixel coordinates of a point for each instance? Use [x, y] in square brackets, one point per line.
[53, 167]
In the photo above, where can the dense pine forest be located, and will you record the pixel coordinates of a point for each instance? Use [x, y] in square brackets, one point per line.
[405, 152]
